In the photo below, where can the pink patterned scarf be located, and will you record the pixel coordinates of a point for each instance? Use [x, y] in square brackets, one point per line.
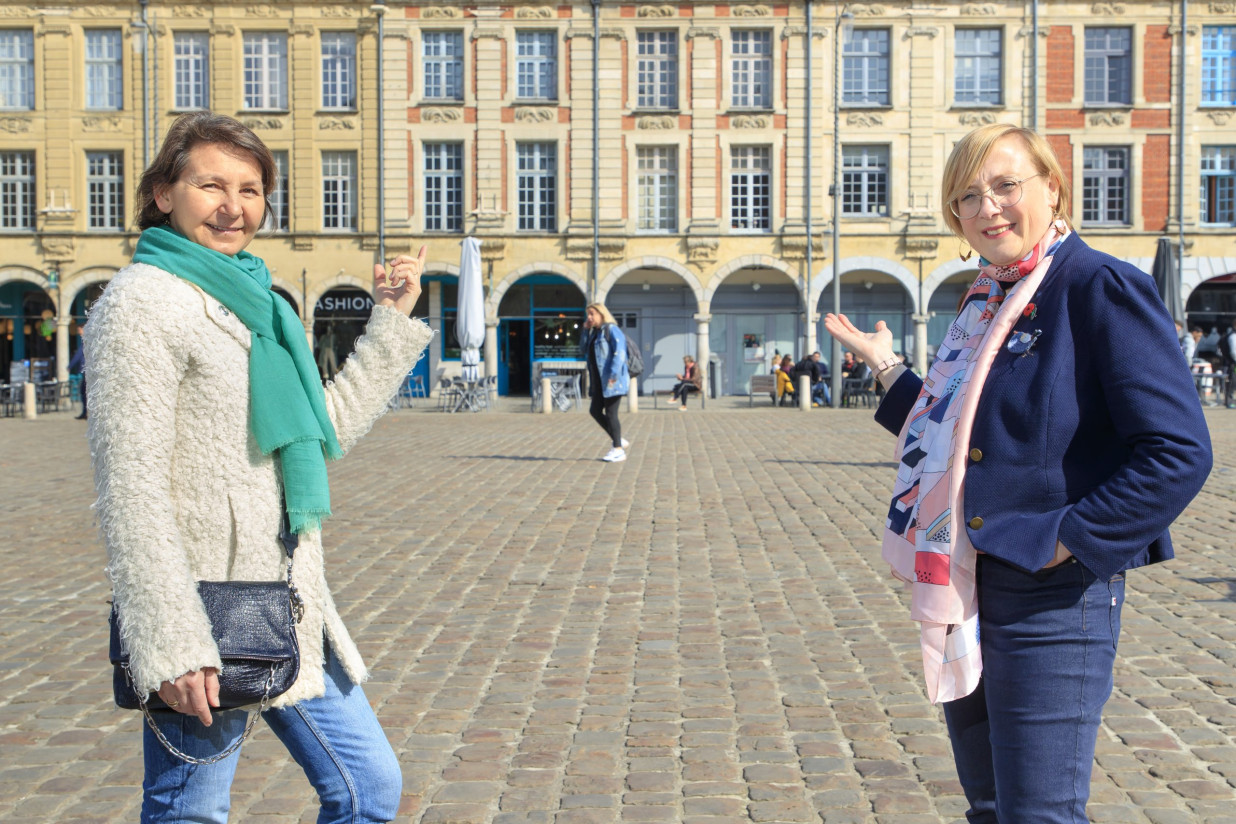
[925, 539]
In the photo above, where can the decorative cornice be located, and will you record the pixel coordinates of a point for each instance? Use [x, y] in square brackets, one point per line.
[535, 114]
[261, 10]
[60, 27]
[1108, 9]
[978, 9]
[303, 29]
[1219, 118]
[441, 13]
[339, 11]
[656, 123]
[703, 31]
[867, 10]
[702, 250]
[921, 248]
[487, 34]
[749, 121]
[920, 31]
[801, 31]
[99, 11]
[493, 248]
[534, 13]
[303, 243]
[1174, 29]
[1223, 8]
[102, 123]
[58, 249]
[14, 125]
[258, 124]
[655, 11]
[226, 29]
[336, 124]
[864, 119]
[1108, 119]
[441, 115]
[751, 11]
[190, 11]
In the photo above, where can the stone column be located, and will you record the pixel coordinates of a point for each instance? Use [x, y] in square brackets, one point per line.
[62, 347]
[491, 347]
[920, 341]
[702, 349]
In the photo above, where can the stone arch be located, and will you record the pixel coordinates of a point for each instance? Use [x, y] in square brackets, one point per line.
[82, 279]
[749, 262]
[944, 272]
[342, 279]
[896, 271]
[10, 274]
[651, 262]
[537, 268]
[1198, 270]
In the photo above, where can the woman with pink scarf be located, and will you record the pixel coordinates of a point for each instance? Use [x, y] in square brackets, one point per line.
[1054, 439]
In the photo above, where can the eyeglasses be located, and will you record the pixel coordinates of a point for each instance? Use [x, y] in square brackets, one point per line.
[1005, 193]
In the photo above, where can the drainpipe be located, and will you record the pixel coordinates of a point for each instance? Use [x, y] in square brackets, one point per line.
[379, 8]
[596, 149]
[808, 179]
[1034, 69]
[1180, 145]
[144, 25]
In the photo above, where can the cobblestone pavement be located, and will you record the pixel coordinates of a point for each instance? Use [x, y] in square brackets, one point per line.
[705, 633]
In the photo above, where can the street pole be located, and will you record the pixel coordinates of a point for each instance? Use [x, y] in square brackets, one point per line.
[835, 361]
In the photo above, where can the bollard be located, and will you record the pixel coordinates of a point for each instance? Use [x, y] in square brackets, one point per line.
[547, 396]
[29, 412]
[804, 391]
[633, 396]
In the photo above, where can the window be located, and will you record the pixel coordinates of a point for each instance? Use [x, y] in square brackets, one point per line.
[1109, 67]
[266, 70]
[657, 69]
[277, 219]
[537, 185]
[751, 67]
[658, 188]
[976, 76]
[864, 180]
[1219, 184]
[1105, 185]
[339, 190]
[864, 68]
[1219, 65]
[16, 69]
[191, 70]
[750, 198]
[443, 54]
[105, 190]
[536, 65]
[338, 70]
[104, 76]
[17, 190]
[443, 187]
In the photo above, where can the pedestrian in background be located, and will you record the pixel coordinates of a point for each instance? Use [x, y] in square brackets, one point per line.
[210, 424]
[77, 366]
[690, 379]
[1040, 459]
[605, 349]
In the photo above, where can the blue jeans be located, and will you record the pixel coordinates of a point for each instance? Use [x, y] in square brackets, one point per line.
[336, 739]
[821, 394]
[1024, 740]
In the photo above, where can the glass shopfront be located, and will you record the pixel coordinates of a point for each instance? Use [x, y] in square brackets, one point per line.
[540, 318]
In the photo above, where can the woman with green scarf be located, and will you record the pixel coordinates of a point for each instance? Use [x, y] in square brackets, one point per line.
[208, 423]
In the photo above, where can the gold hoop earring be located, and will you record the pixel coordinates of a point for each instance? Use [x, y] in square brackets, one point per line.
[966, 254]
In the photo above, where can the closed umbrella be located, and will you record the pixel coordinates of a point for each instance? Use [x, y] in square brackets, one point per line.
[470, 322]
[1166, 276]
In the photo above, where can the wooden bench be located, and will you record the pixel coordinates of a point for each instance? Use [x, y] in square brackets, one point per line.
[763, 385]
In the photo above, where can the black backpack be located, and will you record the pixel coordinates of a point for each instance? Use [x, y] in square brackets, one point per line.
[635, 361]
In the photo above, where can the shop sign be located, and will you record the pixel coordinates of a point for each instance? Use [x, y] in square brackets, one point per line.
[344, 304]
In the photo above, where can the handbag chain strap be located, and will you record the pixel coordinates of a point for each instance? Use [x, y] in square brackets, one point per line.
[290, 540]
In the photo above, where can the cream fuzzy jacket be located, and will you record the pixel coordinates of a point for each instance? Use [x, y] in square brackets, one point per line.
[184, 494]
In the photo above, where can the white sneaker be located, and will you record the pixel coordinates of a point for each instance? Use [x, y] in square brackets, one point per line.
[625, 443]
[615, 455]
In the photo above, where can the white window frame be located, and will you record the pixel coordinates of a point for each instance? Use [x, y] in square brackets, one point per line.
[1218, 66]
[751, 74]
[657, 188]
[16, 69]
[190, 70]
[339, 70]
[656, 69]
[17, 191]
[104, 70]
[265, 68]
[865, 180]
[105, 191]
[1107, 181]
[1218, 183]
[536, 65]
[443, 170]
[866, 68]
[750, 189]
[339, 201]
[442, 54]
[1105, 63]
[978, 75]
[536, 164]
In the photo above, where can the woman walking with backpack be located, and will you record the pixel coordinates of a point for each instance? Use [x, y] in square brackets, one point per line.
[605, 348]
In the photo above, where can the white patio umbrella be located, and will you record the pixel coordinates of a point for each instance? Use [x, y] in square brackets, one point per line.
[470, 322]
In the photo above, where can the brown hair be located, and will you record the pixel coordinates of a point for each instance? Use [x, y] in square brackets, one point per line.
[971, 152]
[186, 133]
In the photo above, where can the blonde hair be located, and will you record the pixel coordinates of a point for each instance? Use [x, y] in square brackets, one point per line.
[970, 154]
[603, 312]
[688, 359]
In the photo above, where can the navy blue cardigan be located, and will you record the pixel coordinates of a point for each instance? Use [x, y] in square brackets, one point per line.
[1094, 438]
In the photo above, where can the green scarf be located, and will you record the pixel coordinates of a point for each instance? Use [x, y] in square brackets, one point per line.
[287, 407]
